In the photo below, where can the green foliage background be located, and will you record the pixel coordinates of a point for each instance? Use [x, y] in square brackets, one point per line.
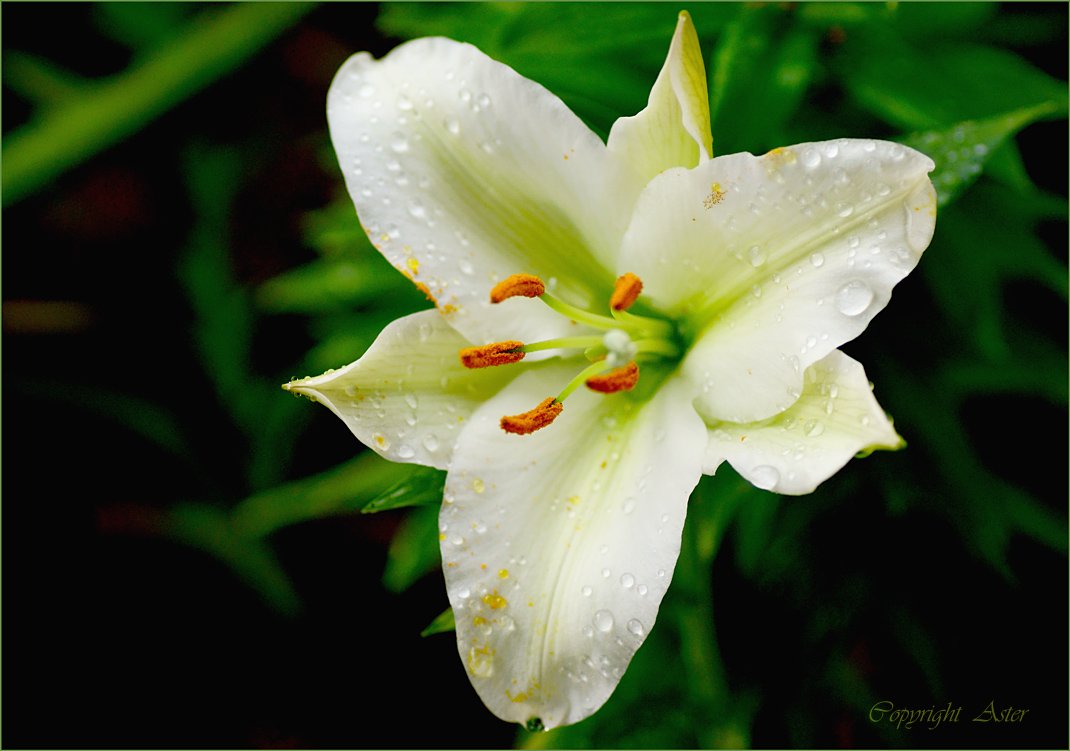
[788, 618]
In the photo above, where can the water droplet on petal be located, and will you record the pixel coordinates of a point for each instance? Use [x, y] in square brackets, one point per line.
[627, 581]
[635, 627]
[465, 266]
[811, 158]
[641, 589]
[430, 442]
[606, 573]
[587, 591]
[814, 428]
[603, 621]
[844, 210]
[628, 506]
[765, 477]
[404, 103]
[817, 260]
[366, 91]
[452, 126]
[755, 256]
[854, 298]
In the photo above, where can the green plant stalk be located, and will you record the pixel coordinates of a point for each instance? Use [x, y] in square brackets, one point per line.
[105, 112]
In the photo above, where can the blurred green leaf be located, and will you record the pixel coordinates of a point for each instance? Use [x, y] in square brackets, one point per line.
[107, 111]
[759, 72]
[917, 88]
[421, 487]
[443, 624]
[344, 489]
[327, 285]
[251, 559]
[414, 550]
[38, 80]
[984, 241]
[961, 151]
[943, 20]
[141, 25]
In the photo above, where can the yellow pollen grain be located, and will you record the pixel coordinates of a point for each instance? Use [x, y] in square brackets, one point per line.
[381, 440]
[573, 500]
[441, 536]
[715, 197]
[479, 620]
[494, 601]
[413, 264]
[478, 485]
[521, 697]
[503, 573]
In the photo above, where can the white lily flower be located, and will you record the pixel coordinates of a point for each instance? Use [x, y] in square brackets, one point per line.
[561, 522]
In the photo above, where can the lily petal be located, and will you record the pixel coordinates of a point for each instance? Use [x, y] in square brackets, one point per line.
[408, 397]
[777, 260]
[558, 546]
[674, 128]
[836, 417]
[464, 172]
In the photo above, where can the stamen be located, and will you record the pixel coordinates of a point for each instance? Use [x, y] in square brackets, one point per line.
[489, 355]
[517, 285]
[625, 292]
[618, 379]
[532, 420]
[565, 342]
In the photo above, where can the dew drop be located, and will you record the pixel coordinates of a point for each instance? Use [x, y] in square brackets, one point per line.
[627, 581]
[635, 627]
[399, 144]
[483, 101]
[641, 589]
[404, 103]
[430, 442]
[628, 506]
[817, 260]
[452, 126]
[765, 477]
[478, 485]
[465, 95]
[465, 266]
[587, 591]
[603, 621]
[588, 631]
[755, 256]
[844, 210]
[606, 573]
[811, 158]
[854, 298]
[814, 428]
[366, 91]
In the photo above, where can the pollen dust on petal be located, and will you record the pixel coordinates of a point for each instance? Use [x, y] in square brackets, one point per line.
[715, 196]
[623, 378]
[532, 420]
[494, 601]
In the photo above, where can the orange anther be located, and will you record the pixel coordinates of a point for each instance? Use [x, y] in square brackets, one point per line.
[529, 422]
[618, 379]
[625, 292]
[517, 285]
[499, 353]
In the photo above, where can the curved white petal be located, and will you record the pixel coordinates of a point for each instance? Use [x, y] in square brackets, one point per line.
[674, 128]
[463, 172]
[409, 396]
[777, 260]
[558, 546]
[836, 417]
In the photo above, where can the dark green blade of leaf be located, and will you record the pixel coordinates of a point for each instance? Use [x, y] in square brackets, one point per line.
[414, 551]
[961, 151]
[444, 623]
[252, 560]
[759, 72]
[106, 112]
[422, 487]
[332, 285]
[914, 88]
[340, 490]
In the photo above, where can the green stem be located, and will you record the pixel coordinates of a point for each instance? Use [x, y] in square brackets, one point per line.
[105, 112]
